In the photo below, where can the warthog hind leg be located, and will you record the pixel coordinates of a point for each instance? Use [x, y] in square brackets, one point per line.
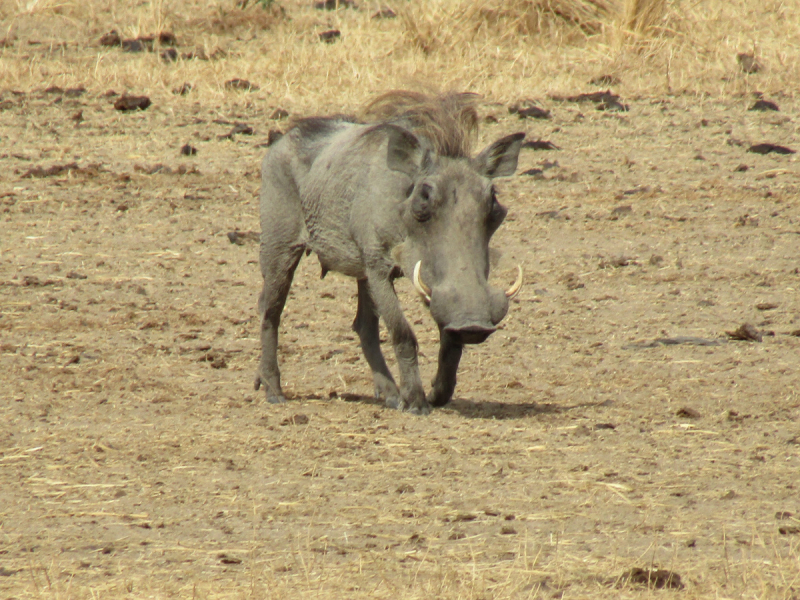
[278, 272]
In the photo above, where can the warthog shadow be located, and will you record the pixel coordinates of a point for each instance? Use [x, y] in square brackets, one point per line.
[480, 409]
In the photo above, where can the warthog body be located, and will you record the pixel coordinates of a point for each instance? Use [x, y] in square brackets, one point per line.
[378, 200]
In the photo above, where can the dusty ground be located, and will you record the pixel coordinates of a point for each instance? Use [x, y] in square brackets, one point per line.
[137, 461]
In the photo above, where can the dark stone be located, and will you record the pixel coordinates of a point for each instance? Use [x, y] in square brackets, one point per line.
[130, 103]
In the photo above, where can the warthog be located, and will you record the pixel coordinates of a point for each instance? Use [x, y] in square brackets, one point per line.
[391, 194]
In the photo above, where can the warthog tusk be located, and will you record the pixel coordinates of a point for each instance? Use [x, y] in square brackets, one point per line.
[422, 289]
[514, 289]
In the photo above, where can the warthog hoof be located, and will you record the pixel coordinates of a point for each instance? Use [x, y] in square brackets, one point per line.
[272, 397]
[421, 410]
[437, 399]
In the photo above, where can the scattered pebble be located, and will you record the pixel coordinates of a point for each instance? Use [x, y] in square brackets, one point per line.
[540, 145]
[131, 103]
[764, 105]
[182, 90]
[241, 85]
[384, 13]
[299, 419]
[746, 332]
[687, 413]
[529, 112]
[605, 80]
[748, 63]
[766, 148]
[653, 578]
[330, 36]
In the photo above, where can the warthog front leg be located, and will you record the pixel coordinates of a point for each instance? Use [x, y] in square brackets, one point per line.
[366, 325]
[445, 382]
[412, 396]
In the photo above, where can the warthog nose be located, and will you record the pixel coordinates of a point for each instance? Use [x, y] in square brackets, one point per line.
[471, 334]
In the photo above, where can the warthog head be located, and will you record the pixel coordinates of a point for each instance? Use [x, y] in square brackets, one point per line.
[450, 214]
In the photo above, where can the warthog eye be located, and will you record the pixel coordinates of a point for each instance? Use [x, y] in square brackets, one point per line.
[497, 212]
[421, 204]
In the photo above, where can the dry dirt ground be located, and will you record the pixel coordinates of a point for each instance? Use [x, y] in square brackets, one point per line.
[137, 461]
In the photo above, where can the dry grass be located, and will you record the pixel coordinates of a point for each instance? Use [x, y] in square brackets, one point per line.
[422, 504]
[505, 49]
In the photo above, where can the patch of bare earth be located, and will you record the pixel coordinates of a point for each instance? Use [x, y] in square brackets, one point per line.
[610, 434]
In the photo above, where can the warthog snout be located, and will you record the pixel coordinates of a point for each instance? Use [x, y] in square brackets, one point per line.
[468, 313]
[469, 316]
[471, 334]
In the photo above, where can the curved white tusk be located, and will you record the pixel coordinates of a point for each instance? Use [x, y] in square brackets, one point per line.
[514, 289]
[422, 289]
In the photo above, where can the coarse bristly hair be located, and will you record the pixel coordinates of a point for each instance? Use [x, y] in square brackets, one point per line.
[449, 121]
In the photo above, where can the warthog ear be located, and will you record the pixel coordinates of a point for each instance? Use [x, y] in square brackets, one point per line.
[404, 152]
[500, 159]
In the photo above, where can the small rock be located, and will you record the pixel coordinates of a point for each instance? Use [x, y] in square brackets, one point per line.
[330, 36]
[764, 105]
[241, 85]
[766, 148]
[620, 211]
[167, 38]
[299, 419]
[182, 90]
[741, 168]
[540, 145]
[110, 39]
[169, 55]
[746, 332]
[767, 306]
[384, 13]
[529, 112]
[278, 114]
[535, 173]
[240, 237]
[134, 45]
[226, 559]
[242, 128]
[131, 103]
[188, 150]
[748, 63]
[605, 80]
[613, 105]
[653, 578]
[334, 4]
[687, 413]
